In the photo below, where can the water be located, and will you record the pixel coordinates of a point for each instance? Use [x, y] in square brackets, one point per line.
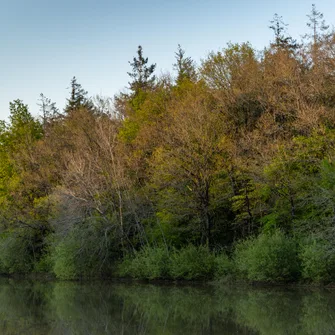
[108, 308]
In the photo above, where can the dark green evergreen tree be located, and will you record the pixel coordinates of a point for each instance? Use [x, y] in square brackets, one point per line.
[184, 66]
[282, 41]
[78, 97]
[142, 73]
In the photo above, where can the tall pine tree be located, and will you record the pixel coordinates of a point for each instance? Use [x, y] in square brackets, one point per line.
[78, 97]
[142, 73]
[282, 41]
[184, 66]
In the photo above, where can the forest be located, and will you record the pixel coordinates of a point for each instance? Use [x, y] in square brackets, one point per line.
[220, 170]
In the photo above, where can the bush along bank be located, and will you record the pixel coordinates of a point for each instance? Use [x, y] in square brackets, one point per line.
[273, 258]
[267, 258]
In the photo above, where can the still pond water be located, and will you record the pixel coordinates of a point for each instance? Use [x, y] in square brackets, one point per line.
[107, 308]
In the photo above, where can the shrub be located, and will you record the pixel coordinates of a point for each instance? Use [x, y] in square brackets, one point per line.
[318, 260]
[156, 263]
[223, 266]
[192, 262]
[65, 266]
[148, 263]
[45, 263]
[16, 255]
[86, 251]
[267, 258]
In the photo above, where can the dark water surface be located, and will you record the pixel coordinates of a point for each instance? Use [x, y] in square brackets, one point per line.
[107, 308]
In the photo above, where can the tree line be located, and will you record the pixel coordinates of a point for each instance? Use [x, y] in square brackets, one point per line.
[231, 159]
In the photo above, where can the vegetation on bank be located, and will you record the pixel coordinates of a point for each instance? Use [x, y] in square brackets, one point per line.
[225, 169]
[273, 258]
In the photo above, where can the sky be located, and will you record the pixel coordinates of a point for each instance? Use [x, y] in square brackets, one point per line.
[43, 44]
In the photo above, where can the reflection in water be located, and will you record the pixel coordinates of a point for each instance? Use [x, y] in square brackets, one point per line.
[108, 308]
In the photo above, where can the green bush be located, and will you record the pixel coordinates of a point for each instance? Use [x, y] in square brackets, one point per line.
[188, 263]
[318, 261]
[267, 258]
[84, 252]
[192, 262]
[45, 263]
[224, 266]
[16, 254]
[148, 263]
[65, 266]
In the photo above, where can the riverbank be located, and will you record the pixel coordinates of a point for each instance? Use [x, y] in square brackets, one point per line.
[271, 259]
[231, 282]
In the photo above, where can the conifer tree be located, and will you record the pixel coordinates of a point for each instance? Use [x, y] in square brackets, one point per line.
[142, 73]
[319, 30]
[184, 66]
[316, 23]
[48, 109]
[78, 97]
[282, 41]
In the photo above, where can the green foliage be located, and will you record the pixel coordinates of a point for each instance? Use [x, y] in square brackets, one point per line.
[247, 203]
[268, 257]
[16, 253]
[192, 263]
[224, 266]
[129, 131]
[315, 203]
[222, 70]
[78, 97]
[86, 251]
[317, 260]
[299, 180]
[45, 263]
[185, 67]
[142, 74]
[22, 130]
[148, 263]
[188, 263]
[65, 266]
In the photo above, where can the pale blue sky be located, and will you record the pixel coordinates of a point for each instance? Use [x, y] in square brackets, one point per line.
[45, 43]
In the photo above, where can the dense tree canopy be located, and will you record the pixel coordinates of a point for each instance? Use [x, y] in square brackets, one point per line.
[234, 149]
